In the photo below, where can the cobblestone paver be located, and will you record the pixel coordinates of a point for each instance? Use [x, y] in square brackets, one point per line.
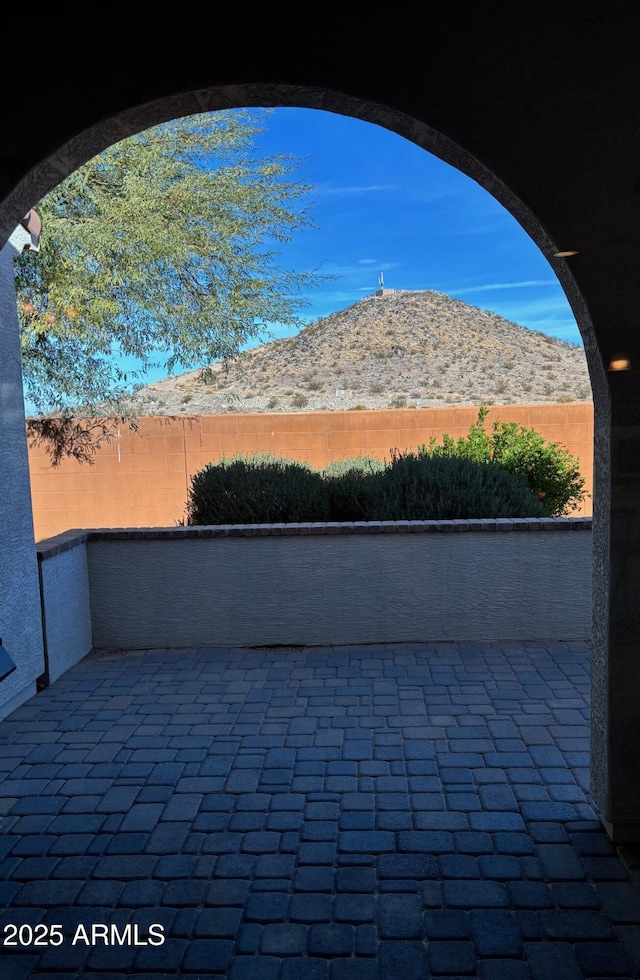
[406, 811]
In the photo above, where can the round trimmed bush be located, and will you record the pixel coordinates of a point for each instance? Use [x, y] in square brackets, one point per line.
[257, 490]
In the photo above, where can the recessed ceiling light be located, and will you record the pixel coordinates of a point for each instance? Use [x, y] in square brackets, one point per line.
[619, 362]
[564, 255]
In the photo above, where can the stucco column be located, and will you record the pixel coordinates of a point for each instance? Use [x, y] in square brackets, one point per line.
[20, 618]
[615, 732]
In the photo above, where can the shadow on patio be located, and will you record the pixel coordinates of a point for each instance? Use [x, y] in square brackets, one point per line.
[346, 813]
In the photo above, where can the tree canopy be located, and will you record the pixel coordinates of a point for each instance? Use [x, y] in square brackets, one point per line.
[165, 245]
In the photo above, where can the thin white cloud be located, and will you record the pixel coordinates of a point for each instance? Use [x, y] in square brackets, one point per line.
[489, 287]
[551, 316]
[557, 303]
[367, 261]
[353, 190]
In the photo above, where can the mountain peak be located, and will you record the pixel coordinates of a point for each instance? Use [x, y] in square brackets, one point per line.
[392, 349]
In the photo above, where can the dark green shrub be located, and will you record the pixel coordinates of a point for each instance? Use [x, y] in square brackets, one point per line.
[412, 486]
[348, 485]
[546, 468]
[421, 487]
[257, 490]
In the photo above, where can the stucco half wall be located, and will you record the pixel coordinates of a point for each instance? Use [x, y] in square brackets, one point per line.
[330, 584]
[66, 610]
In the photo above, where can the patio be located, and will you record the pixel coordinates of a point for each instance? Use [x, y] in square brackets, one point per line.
[293, 813]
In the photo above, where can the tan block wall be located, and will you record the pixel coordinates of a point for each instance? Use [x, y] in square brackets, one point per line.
[141, 478]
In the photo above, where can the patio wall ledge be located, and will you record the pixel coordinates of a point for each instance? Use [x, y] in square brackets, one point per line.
[317, 584]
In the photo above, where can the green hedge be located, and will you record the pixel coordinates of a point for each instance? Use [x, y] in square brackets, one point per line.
[412, 486]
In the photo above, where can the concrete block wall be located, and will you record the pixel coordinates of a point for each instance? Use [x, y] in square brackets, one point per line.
[141, 478]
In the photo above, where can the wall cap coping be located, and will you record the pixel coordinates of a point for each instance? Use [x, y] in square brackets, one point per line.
[50, 547]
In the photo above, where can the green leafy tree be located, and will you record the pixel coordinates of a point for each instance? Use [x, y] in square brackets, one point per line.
[164, 246]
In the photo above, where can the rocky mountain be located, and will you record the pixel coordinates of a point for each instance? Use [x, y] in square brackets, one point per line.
[394, 349]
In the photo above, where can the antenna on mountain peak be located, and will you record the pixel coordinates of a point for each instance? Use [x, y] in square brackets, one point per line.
[381, 280]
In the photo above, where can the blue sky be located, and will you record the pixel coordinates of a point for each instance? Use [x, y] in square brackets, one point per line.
[383, 204]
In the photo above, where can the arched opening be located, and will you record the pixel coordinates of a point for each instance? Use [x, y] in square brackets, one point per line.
[92, 141]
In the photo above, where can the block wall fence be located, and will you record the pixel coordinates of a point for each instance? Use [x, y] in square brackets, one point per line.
[141, 478]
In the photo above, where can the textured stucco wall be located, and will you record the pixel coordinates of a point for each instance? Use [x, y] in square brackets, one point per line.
[369, 588]
[141, 479]
[20, 622]
[67, 612]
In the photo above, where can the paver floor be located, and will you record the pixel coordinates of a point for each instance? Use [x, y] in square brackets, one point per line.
[287, 814]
